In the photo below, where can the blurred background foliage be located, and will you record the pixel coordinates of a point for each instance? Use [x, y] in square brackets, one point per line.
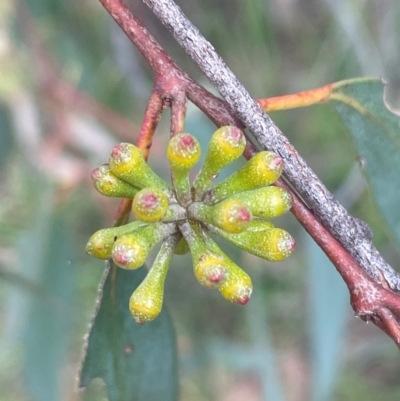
[72, 86]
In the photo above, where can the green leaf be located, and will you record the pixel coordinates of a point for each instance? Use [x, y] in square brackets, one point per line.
[136, 362]
[45, 259]
[376, 134]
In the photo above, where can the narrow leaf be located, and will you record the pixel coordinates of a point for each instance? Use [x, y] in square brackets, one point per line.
[136, 362]
[45, 253]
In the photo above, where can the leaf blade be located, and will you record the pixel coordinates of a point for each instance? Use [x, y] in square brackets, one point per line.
[375, 131]
[137, 362]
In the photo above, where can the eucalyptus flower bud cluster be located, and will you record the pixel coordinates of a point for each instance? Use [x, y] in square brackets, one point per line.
[181, 216]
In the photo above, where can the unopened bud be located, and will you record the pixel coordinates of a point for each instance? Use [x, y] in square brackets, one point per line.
[226, 145]
[261, 170]
[274, 244]
[101, 242]
[109, 184]
[183, 153]
[210, 269]
[209, 263]
[150, 205]
[127, 163]
[231, 215]
[266, 202]
[146, 301]
[130, 251]
[238, 286]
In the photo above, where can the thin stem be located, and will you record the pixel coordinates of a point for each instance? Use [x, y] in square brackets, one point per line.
[150, 122]
[178, 113]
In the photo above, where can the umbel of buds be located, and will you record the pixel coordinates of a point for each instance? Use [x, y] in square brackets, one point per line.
[180, 216]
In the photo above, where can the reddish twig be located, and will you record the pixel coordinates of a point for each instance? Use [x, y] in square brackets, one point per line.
[370, 300]
[178, 113]
[150, 122]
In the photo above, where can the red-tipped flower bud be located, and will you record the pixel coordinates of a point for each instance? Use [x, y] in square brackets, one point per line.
[146, 301]
[226, 145]
[130, 251]
[209, 263]
[274, 244]
[261, 170]
[211, 270]
[109, 184]
[231, 215]
[238, 286]
[183, 153]
[127, 163]
[101, 242]
[266, 202]
[150, 205]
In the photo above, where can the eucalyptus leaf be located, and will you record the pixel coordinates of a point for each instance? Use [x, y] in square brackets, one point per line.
[136, 362]
[376, 134]
[45, 256]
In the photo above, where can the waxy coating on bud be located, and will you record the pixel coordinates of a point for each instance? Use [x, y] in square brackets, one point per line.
[150, 205]
[257, 225]
[261, 170]
[127, 163]
[130, 251]
[209, 265]
[146, 301]
[231, 215]
[226, 145]
[274, 244]
[210, 269]
[101, 242]
[109, 184]
[238, 286]
[266, 202]
[183, 153]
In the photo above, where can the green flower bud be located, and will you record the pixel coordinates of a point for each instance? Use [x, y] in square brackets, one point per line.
[146, 301]
[266, 202]
[109, 184]
[101, 242]
[131, 250]
[261, 170]
[231, 215]
[183, 153]
[127, 163]
[210, 268]
[226, 145]
[150, 205]
[238, 286]
[274, 244]
[257, 225]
